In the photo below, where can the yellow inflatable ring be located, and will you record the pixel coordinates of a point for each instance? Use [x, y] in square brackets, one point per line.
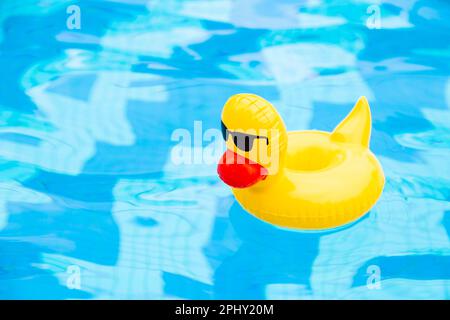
[300, 179]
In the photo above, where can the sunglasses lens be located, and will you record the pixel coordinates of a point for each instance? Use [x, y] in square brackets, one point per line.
[243, 141]
[224, 131]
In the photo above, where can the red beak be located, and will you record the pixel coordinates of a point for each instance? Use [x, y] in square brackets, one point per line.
[238, 171]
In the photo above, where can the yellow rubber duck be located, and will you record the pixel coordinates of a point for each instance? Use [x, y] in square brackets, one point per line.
[299, 179]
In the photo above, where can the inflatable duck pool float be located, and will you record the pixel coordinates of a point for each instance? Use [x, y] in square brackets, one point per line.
[299, 179]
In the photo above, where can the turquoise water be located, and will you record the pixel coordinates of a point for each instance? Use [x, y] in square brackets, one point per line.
[93, 206]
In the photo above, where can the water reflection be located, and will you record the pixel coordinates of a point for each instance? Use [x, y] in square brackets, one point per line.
[268, 256]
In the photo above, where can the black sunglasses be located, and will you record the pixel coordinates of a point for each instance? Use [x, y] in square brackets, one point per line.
[243, 141]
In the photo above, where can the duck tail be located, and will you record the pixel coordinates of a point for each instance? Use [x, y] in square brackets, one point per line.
[356, 126]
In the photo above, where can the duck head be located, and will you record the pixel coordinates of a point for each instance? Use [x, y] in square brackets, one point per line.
[256, 141]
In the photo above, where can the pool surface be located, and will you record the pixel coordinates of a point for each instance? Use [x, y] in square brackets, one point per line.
[93, 204]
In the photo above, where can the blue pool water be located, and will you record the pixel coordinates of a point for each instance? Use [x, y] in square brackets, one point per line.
[93, 206]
